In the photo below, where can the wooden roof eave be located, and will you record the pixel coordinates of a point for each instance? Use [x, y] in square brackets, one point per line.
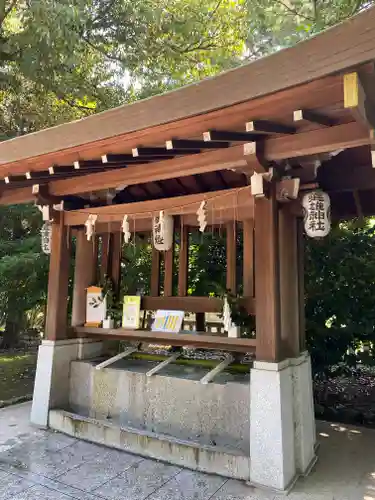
[347, 135]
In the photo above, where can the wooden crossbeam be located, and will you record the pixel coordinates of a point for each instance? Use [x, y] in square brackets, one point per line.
[188, 144]
[166, 338]
[268, 127]
[230, 136]
[305, 115]
[179, 205]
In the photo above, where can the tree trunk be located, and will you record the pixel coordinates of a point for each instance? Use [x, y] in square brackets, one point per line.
[10, 337]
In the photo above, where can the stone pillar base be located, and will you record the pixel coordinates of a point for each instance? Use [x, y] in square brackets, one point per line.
[51, 387]
[282, 425]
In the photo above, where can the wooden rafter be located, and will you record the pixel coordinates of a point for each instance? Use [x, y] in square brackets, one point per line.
[145, 152]
[268, 127]
[181, 185]
[222, 181]
[201, 182]
[305, 115]
[188, 144]
[230, 136]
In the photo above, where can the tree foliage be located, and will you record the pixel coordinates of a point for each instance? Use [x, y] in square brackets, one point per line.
[23, 267]
[340, 291]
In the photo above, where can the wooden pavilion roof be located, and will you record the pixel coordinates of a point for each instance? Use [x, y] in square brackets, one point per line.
[289, 110]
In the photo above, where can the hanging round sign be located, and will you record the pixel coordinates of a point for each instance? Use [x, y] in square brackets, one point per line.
[317, 214]
[46, 237]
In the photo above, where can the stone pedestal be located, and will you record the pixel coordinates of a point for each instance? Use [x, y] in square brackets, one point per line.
[282, 426]
[51, 388]
[305, 430]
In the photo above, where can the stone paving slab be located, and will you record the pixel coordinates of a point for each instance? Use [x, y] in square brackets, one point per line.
[37, 464]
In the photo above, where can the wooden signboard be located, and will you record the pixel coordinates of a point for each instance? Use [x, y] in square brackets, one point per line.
[131, 312]
[96, 306]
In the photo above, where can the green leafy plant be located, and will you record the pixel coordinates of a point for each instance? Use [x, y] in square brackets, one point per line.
[239, 315]
[114, 303]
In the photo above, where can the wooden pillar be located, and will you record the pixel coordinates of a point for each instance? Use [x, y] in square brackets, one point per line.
[267, 303]
[104, 256]
[95, 267]
[231, 245]
[155, 273]
[301, 284]
[115, 255]
[57, 302]
[83, 276]
[248, 258]
[168, 272]
[289, 284]
[168, 268]
[183, 264]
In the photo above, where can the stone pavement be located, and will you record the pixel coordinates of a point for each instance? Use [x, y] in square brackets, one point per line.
[37, 464]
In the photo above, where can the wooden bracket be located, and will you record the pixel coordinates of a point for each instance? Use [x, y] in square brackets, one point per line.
[43, 197]
[287, 189]
[254, 156]
[47, 204]
[260, 183]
